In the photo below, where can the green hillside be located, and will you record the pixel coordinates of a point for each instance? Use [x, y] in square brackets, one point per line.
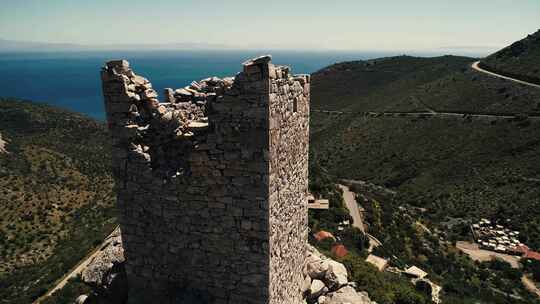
[454, 143]
[56, 195]
[520, 60]
[404, 83]
[455, 166]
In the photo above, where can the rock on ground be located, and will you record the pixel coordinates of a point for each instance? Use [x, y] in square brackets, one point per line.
[345, 295]
[106, 273]
[327, 283]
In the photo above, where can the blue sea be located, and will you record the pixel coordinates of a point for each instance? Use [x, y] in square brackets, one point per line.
[71, 79]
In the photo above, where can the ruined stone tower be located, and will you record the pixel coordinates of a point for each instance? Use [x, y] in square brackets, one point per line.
[212, 183]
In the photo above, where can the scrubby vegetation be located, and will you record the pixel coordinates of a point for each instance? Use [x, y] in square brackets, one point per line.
[446, 171]
[414, 84]
[73, 289]
[385, 288]
[455, 167]
[520, 60]
[56, 200]
[407, 241]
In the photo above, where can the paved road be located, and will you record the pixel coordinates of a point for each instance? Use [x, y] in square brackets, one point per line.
[78, 269]
[352, 205]
[485, 116]
[476, 67]
[358, 221]
[432, 112]
[371, 187]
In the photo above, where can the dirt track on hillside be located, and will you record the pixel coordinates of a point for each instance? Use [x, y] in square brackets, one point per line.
[78, 269]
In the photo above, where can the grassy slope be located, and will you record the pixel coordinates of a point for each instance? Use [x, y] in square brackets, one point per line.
[454, 167]
[378, 85]
[55, 198]
[520, 60]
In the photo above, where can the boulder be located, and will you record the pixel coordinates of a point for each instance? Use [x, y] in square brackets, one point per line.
[183, 92]
[316, 267]
[169, 95]
[81, 299]
[317, 289]
[259, 60]
[105, 273]
[149, 94]
[306, 285]
[139, 80]
[346, 295]
[336, 275]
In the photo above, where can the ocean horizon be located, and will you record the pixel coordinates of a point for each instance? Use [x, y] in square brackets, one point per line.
[71, 80]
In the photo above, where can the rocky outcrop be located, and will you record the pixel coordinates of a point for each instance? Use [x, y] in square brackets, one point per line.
[106, 274]
[345, 295]
[326, 282]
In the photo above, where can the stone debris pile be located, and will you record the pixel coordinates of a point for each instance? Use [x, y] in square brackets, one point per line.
[105, 273]
[325, 282]
[157, 129]
[181, 107]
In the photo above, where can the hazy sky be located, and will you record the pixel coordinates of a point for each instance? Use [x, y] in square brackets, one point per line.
[311, 24]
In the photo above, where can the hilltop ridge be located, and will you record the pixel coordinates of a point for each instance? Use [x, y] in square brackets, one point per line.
[519, 60]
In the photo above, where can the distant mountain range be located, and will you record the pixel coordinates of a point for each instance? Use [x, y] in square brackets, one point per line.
[26, 46]
[7, 45]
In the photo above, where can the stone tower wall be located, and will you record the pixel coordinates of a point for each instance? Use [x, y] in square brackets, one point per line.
[200, 182]
[289, 140]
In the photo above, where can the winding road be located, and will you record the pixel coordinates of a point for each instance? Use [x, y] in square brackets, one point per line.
[432, 114]
[476, 66]
[352, 205]
[354, 211]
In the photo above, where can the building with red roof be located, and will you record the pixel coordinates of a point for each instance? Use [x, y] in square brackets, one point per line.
[532, 255]
[339, 250]
[321, 235]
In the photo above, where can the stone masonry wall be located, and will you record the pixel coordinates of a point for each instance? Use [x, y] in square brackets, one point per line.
[289, 139]
[211, 183]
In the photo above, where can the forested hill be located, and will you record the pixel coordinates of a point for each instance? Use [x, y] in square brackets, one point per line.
[455, 144]
[55, 195]
[520, 60]
[482, 162]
